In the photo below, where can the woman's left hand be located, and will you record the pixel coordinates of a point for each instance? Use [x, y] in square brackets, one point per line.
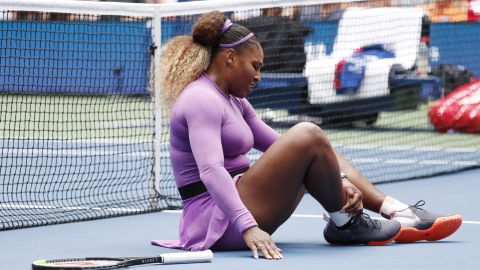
[354, 197]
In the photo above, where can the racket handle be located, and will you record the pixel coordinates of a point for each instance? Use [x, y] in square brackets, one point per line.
[187, 257]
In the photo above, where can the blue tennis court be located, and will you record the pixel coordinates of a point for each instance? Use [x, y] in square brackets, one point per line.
[300, 237]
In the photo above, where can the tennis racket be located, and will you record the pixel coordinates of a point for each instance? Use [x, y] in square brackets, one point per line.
[94, 263]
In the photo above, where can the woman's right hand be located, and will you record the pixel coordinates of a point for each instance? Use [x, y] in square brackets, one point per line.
[258, 240]
[354, 204]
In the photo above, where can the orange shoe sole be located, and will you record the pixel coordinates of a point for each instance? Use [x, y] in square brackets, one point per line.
[442, 228]
[381, 243]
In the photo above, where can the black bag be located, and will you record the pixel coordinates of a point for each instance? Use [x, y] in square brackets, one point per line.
[452, 76]
[282, 40]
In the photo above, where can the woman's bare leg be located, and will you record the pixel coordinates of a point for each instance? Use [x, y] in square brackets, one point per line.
[372, 197]
[300, 159]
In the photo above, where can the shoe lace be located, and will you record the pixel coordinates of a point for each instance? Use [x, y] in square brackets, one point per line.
[416, 206]
[368, 221]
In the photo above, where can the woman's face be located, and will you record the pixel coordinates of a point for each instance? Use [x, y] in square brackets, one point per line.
[246, 71]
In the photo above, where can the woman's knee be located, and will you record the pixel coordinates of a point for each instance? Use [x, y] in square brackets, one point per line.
[310, 136]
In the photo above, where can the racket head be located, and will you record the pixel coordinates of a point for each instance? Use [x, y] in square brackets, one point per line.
[91, 263]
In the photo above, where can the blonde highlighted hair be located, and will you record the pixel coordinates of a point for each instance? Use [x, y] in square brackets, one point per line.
[184, 58]
[183, 61]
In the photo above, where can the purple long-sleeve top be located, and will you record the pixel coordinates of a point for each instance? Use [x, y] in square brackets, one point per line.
[210, 134]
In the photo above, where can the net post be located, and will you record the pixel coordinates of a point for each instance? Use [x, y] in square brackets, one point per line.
[154, 185]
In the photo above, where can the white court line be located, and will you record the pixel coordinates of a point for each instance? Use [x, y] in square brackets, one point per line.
[404, 148]
[309, 216]
[471, 222]
[321, 217]
[68, 208]
[415, 161]
[30, 153]
[129, 210]
[74, 152]
[110, 141]
[460, 163]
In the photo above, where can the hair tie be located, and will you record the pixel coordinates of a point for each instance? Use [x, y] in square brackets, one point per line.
[226, 25]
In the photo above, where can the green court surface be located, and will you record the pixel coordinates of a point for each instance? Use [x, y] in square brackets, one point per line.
[119, 116]
[75, 117]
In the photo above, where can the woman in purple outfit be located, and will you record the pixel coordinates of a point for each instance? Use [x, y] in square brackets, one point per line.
[228, 205]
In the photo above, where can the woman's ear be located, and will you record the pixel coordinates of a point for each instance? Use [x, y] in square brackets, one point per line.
[232, 57]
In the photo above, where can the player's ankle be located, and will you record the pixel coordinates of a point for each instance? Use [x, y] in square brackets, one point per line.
[391, 207]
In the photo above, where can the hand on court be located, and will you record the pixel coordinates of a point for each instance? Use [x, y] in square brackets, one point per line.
[354, 197]
[258, 240]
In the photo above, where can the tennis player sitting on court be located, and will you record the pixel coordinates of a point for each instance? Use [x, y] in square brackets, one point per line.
[228, 205]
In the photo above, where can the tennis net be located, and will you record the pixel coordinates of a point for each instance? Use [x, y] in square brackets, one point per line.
[76, 119]
[83, 136]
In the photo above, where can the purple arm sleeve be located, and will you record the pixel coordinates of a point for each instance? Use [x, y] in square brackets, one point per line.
[263, 134]
[204, 120]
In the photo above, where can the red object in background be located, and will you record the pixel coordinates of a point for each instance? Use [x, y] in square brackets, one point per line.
[473, 10]
[338, 71]
[459, 110]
